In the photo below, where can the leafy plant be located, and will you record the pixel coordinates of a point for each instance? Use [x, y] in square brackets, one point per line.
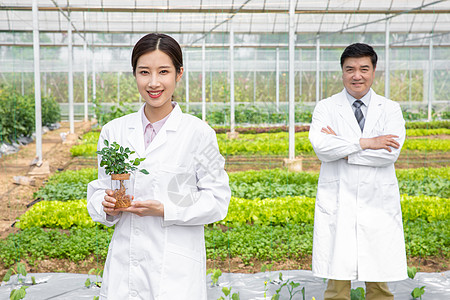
[98, 273]
[20, 270]
[418, 292]
[215, 274]
[412, 272]
[227, 292]
[115, 159]
[357, 294]
[17, 294]
[291, 286]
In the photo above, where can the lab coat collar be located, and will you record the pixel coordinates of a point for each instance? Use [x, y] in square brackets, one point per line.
[346, 112]
[373, 112]
[136, 132]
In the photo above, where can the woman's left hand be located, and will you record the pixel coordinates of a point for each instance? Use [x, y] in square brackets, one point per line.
[145, 208]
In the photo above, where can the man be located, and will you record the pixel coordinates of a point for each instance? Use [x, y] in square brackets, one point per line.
[358, 230]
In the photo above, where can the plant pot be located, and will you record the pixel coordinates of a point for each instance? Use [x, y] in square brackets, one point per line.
[123, 189]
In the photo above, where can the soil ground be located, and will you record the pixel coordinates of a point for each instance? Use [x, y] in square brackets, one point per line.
[14, 199]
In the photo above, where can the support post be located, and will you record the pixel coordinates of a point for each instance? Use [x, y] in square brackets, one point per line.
[386, 63]
[291, 79]
[186, 76]
[430, 77]
[317, 68]
[231, 78]
[203, 80]
[37, 83]
[118, 87]
[70, 59]
[277, 80]
[86, 113]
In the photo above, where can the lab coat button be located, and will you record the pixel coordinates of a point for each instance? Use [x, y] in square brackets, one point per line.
[135, 263]
[136, 231]
[133, 294]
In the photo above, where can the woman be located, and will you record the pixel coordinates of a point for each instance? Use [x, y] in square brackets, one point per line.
[158, 248]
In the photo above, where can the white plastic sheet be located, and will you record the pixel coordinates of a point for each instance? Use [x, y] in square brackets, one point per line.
[68, 286]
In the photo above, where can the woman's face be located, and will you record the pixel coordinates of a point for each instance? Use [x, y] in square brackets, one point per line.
[156, 78]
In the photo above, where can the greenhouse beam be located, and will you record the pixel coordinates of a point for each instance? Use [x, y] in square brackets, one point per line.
[386, 61]
[37, 83]
[203, 80]
[70, 59]
[291, 79]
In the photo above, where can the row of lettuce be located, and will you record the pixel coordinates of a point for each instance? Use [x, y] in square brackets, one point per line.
[270, 218]
[278, 143]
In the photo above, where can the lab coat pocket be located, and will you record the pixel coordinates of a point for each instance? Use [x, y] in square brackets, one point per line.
[182, 276]
[327, 198]
[391, 197]
[179, 185]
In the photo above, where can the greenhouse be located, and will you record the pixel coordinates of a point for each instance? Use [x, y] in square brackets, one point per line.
[254, 71]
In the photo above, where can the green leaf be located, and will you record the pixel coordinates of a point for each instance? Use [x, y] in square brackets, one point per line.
[21, 269]
[87, 283]
[357, 294]
[106, 142]
[33, 280]
[226, 291]
[418, 292]
[275, 297]
[235, 296]
[8, 275]
[412, 272]
[144, 171]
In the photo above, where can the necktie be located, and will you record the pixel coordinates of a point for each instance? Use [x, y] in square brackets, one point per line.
[358, 114]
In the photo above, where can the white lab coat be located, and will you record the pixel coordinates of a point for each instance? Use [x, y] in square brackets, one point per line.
[358, 230]
[154, 257]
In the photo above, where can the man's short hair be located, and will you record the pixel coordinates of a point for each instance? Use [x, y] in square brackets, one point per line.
[359, 50]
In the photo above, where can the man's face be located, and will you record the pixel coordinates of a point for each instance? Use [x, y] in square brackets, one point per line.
[357, 75]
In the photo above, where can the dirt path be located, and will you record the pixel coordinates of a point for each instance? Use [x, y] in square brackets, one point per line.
[13, 197]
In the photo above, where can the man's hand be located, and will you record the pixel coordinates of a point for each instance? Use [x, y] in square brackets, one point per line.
[328, 130]
[380, 142]
[145, 208]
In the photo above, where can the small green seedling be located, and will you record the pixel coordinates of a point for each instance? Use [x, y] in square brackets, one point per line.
[418, 292]
[97, 272]
[18, 294]
[215, 274]
[358, 294]
[227, 292]
[412, 272]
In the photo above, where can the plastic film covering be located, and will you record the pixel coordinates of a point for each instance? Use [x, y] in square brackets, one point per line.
[69, 286]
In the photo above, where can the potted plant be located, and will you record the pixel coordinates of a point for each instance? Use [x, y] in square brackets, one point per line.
[115, 159]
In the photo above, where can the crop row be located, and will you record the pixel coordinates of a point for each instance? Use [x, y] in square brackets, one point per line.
[273, 144]
[271, 211]
[270, 183]
[246, 242]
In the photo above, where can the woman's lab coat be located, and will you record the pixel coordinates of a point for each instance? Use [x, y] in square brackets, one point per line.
[154, 257]
[358, 230]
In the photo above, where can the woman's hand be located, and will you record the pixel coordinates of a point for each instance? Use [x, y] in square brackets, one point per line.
[145, 208]
[109, 204]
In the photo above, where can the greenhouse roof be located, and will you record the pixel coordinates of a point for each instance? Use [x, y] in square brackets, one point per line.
[196, 17]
